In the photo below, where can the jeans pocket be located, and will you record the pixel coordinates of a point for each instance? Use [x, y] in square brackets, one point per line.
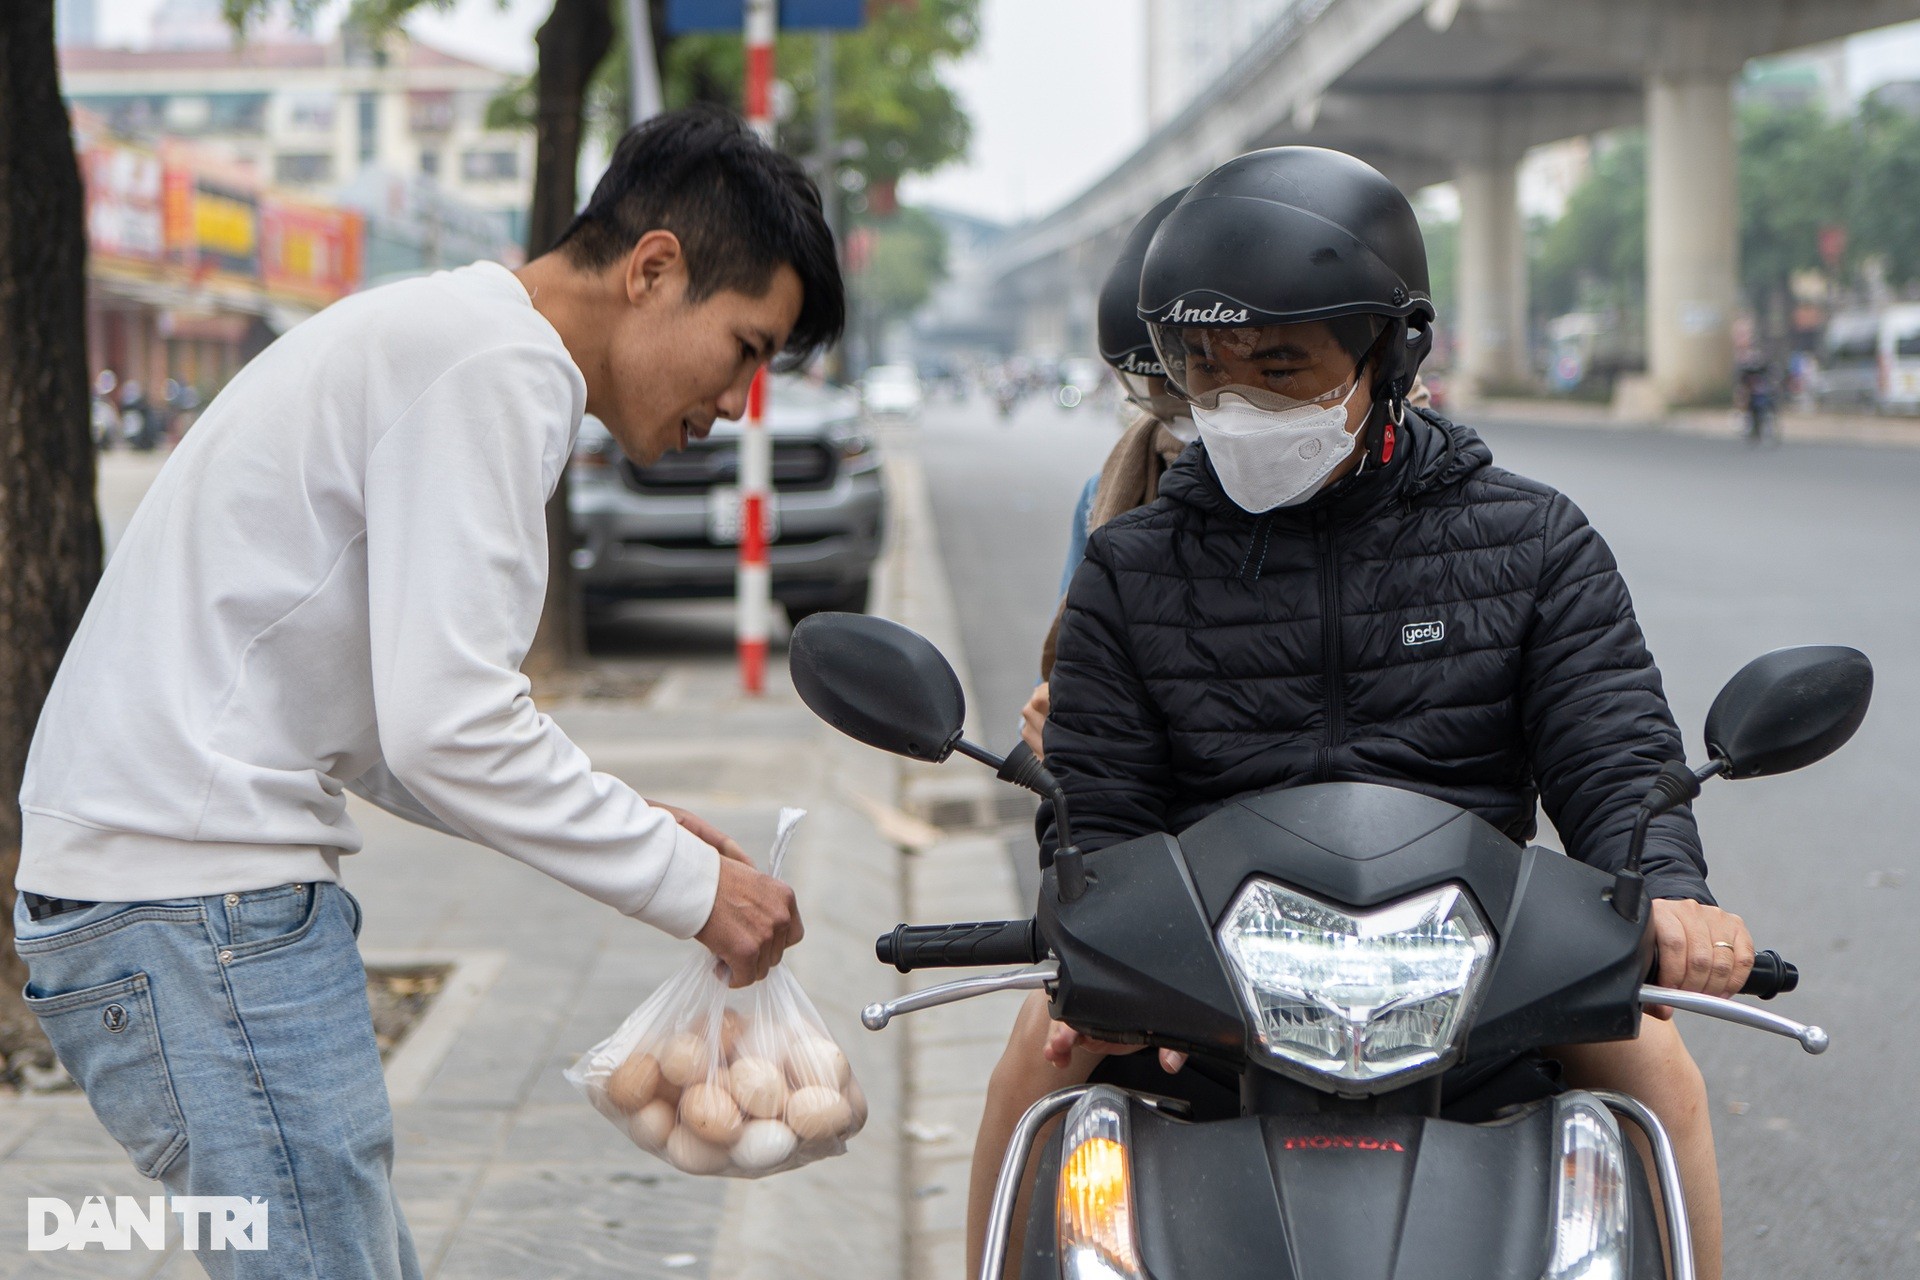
[264, 916]
[109, 1041]
[71, 929]
[359, 915]
[270, 919]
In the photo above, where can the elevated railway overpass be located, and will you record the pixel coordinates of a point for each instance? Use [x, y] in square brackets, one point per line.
[1437, 90]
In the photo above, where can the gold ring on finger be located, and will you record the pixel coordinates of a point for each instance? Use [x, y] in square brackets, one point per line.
[1727, 945]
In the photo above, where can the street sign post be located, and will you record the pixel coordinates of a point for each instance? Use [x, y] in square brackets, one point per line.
[761, 21]
[753, 583]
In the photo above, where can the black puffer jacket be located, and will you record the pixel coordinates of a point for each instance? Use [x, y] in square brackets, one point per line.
[1440, 625]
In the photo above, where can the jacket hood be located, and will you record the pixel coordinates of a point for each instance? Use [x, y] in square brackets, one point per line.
[1436, 453]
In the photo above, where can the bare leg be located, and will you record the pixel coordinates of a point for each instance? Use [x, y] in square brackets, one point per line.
[1022, 1077]
[1658, 1070]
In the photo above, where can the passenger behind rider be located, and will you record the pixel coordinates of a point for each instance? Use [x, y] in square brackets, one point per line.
[1249, 629]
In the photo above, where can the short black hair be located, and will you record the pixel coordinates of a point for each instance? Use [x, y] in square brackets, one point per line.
[739, 207]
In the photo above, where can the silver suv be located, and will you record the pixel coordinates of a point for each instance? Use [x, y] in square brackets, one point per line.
[671, 530]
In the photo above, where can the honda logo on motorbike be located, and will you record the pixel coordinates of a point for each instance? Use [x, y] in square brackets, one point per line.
[1341, 1142]
[1423, 633]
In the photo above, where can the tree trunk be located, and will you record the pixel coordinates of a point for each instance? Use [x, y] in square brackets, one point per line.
[49, 530]
[572, 41]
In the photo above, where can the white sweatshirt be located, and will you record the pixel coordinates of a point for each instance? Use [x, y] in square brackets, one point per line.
[331, 586]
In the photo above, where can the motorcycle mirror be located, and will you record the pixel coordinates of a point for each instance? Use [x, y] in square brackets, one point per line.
[878, 683]
[1789, 708]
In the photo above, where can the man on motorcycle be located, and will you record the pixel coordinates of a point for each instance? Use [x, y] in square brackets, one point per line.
[1336, 587]
[1159, 430]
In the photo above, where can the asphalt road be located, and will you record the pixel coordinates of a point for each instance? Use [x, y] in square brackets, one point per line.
[1729, 552]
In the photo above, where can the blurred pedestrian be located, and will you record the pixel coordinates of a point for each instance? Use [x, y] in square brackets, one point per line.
[106, 418]
[1758, 396]
[138, 426]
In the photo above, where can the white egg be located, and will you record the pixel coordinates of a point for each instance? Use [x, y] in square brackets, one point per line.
[650, 1125]
[815, 1060]
[710, 1111]
[684, 1058]
[759, 1087]
[764, 1144]
[692, 1154]
[817, 1112]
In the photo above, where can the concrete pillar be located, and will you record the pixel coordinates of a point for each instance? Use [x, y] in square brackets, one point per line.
[1693, 237]
[1491, 329]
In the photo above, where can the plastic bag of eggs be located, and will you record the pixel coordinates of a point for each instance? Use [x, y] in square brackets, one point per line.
[734, 1083]
[752, 1097]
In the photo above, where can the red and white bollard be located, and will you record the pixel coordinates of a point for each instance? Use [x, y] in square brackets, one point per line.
[753, 583]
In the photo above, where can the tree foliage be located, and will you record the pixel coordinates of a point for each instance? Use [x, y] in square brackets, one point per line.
[907, 259]
[1594, 256]
[1882, 218]
[1797, 170]
[889, 100]
[1442, 236]
[1802, 174]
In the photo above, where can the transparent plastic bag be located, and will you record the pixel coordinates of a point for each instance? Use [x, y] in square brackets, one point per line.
[738, 1084]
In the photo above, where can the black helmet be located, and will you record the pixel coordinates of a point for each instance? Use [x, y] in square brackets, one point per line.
[1288, 235]
[1124, 341]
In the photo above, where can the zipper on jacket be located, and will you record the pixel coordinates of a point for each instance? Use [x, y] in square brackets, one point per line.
[1329, 642]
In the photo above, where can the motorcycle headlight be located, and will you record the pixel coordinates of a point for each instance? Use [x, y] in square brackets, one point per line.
[1357, 998]
[1590, 1212]
[1094, 1204]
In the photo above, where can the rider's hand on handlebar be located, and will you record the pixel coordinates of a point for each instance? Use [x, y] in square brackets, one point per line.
[1701, 948]
[1062, 1040]
[1033, 719]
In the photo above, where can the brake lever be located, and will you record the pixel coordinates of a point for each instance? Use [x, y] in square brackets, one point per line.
[1813, 1039]
[1036, 977]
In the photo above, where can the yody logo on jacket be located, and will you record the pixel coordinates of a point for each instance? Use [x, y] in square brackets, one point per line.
[1423, 633]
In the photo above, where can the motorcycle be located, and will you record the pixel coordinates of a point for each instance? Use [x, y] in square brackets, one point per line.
[1357, 961]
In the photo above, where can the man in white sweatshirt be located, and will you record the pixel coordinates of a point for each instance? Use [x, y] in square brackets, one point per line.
[330, 588]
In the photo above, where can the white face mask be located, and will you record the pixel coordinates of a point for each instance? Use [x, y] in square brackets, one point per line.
[1182, 427]
[1274, 458]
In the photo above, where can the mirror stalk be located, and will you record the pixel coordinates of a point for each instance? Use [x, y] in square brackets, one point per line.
[1070, 874]
[975, 752]
[1023, 769]
[1676, 785]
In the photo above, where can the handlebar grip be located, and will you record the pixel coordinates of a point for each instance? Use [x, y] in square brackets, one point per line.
[959, 946]
[1771, 975]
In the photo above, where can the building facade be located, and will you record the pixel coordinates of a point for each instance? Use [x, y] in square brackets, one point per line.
[234, 189]
[314, 116]
[192, 267]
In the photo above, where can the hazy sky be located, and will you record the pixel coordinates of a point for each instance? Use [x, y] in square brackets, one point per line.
[1054, 87]
[1056, 92]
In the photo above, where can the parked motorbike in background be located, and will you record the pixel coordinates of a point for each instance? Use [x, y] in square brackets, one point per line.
[1357, 961]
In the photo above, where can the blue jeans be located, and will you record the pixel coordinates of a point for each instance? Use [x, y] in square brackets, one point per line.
[226, 1043]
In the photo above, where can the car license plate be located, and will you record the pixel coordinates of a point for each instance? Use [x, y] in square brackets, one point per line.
[723, 516]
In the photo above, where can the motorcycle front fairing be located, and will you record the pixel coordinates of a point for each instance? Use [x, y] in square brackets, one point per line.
[1141, 940]
[1358, 1197]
